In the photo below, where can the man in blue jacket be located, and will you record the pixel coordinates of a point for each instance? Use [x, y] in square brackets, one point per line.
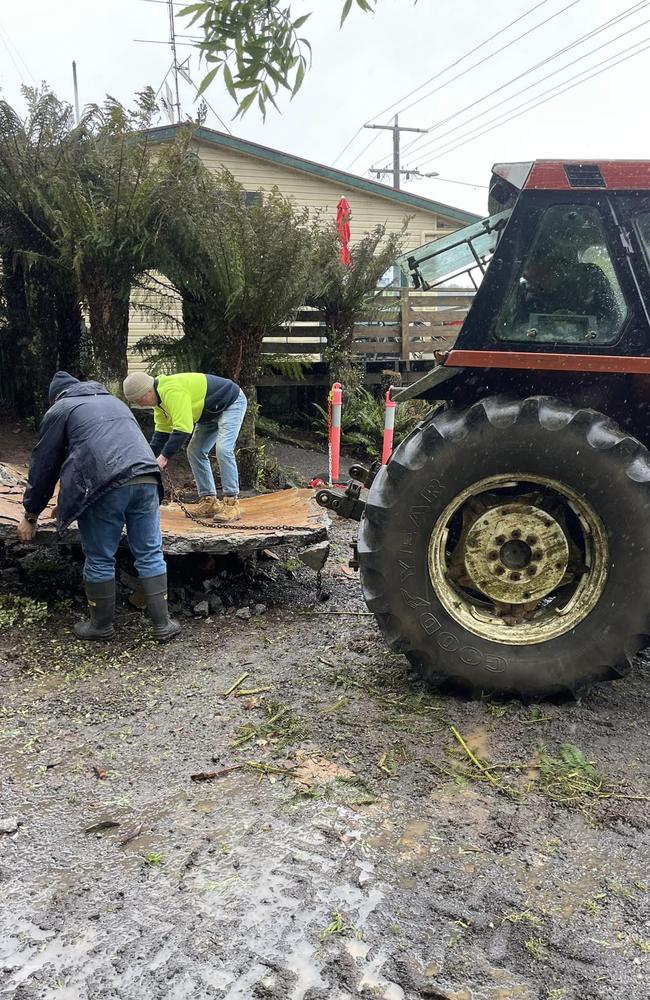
[109, 478]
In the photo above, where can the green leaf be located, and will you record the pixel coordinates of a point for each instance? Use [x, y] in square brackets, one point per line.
[207, 80]
[300, 76]
[195, 11]
[193, 8]
[228, 80]
[298, 23]
[245, 104]
[347, 7]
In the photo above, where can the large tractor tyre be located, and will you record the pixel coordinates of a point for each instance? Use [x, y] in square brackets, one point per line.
[506, 547]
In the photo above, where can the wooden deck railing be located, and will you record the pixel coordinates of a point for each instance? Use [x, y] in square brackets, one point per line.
[406, 324]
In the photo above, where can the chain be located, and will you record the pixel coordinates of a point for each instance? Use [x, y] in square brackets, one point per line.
[175, 496]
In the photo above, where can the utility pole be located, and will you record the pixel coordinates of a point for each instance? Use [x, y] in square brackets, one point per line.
[396, 171]
[76, 90]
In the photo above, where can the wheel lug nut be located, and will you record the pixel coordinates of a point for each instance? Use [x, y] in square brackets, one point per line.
[516, 533]
[532, 539]
[531, 570]
[499, 571]
[493, 555]
[538, 554]
[500, 539]
[515, 576]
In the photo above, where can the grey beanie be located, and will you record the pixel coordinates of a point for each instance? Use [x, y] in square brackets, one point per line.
[60, 382]
[136, 385]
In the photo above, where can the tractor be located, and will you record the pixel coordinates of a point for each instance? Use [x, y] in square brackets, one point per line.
[505, 546]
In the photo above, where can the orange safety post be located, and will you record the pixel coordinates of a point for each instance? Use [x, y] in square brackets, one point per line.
[389, 428]
[335, 402]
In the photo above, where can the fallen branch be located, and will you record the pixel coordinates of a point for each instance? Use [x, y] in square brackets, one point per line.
[477, 763]
[240, 680]
[328, 614]
[254, 765]
[247, 691]
[210, 775]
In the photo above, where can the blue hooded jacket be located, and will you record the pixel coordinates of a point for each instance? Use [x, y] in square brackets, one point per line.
[91, 442]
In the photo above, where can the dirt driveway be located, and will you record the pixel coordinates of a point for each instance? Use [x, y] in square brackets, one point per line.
[360, 837]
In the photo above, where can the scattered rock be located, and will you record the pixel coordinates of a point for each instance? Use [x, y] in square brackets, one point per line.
[244, 613]
[202, 608]
[260, 609]
[6, 477]
[315, 556]
[9, 825]
[215, 603]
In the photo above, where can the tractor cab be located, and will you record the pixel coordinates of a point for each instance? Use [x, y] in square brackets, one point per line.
[559, 267]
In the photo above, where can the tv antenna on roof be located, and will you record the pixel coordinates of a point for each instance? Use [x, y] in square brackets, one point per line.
[170, 99]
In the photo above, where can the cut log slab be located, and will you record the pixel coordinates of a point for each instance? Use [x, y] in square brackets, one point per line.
[288, 517]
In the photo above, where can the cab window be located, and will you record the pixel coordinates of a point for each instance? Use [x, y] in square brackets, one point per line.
[568, 291]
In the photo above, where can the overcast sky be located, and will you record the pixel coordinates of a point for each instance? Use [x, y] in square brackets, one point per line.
[372, 63]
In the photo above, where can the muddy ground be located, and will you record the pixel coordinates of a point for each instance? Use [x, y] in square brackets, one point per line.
[362, 837]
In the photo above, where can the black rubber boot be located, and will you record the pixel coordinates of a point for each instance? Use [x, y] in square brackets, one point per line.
[154, 589]
[101, 607]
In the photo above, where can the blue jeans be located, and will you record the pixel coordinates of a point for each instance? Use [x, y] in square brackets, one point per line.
[100, 528]
[220, 433]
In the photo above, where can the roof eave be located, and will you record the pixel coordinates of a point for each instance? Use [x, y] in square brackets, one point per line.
[167, 132]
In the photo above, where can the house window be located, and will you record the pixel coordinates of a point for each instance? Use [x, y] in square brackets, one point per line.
[442, 229]
[252, 198]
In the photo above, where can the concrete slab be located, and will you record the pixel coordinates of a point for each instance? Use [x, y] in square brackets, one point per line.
[287, 517]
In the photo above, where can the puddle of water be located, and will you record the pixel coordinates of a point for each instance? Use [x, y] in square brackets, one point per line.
[359, 904]
[242, 988]
[373, 980]
[301, 962]
[357, 948]
[29, 950]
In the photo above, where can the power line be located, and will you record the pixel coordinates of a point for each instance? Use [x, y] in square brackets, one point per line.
[524, 34]
[439, 153]
[450, 180]
[559, 87]
[590, 34]
[364, 150]
[436, 139]
[471, 52]
[440, 73]
[4, 34]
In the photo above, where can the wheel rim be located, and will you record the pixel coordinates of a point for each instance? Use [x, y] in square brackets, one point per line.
[518, 559]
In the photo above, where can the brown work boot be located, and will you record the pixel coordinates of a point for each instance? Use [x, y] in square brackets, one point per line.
[206, 507]
[228, 510]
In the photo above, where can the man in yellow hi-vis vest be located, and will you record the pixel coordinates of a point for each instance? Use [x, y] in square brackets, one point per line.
[204, 412]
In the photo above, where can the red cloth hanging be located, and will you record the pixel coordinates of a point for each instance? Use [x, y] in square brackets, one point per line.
[343, 229]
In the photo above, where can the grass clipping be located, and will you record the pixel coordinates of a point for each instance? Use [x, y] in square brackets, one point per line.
[572, 781]
[279, 728]
[568, 778]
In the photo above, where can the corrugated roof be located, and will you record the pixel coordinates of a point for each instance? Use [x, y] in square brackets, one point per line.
[167, 132]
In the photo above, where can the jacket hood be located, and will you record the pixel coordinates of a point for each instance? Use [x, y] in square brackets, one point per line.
[61, 382]
[77, 388]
